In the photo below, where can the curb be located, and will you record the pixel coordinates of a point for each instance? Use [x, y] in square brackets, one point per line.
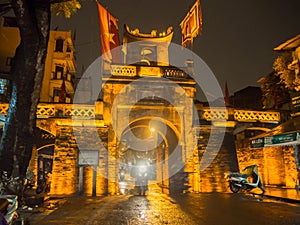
[284, 199]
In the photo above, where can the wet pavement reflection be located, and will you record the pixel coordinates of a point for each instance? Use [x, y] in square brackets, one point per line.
[204, 208]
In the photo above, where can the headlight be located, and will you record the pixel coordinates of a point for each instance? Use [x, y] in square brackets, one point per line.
[143, 169]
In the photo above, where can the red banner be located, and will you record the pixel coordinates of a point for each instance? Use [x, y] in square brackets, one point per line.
[109, 35]
[63, 92]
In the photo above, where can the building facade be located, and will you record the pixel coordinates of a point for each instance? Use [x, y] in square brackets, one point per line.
[276, 151]
[60, 65]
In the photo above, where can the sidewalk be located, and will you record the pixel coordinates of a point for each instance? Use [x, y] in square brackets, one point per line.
[290, 195]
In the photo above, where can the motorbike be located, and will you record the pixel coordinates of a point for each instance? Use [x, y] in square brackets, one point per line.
[142, 180]
[122, 174]
[8, 208]
[245, 181]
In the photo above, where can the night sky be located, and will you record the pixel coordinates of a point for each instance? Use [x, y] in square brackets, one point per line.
[236, 43]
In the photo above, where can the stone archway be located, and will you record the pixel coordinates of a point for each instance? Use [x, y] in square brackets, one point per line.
[157, 141]
[42, 154]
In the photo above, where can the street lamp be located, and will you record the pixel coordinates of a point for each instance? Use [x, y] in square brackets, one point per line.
[152, 129]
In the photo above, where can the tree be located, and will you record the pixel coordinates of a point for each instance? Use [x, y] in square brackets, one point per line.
[277, 86]
[281, 69]
[274, 93]
[33, 19]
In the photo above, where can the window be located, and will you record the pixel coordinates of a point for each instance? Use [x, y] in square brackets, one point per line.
[59, 45]
[59, 71]
[69, 77]
[149, 55]
[56, 92]
[69, 48]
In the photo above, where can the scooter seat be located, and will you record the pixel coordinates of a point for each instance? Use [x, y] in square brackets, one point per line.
[243, 175]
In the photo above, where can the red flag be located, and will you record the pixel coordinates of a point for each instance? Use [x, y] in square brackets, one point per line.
[191, 25]
[63, 92]
[227, 103]
[109, 35]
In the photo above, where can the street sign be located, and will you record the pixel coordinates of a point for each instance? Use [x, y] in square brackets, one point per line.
[88, 158]
[257, 143]
[276, 140]
[280, 139]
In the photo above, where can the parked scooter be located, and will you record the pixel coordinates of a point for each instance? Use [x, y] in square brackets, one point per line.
[8, 208]
[245, 181]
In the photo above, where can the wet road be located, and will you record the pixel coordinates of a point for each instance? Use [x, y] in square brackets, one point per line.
[204, 208]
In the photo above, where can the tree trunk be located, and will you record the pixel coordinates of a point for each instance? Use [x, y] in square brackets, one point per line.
[33, 19]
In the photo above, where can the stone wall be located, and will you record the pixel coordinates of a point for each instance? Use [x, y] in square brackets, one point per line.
[124, 109]
[291, 174]
[212, 179]
[65, 173]
[276, 165]
[247, 156]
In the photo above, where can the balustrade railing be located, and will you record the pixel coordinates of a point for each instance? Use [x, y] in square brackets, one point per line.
[261, 116]
[46, 110]
[239, 115]
[3, 108]
[79, 111]
[142, 70]
[120, 70]
[214, 114]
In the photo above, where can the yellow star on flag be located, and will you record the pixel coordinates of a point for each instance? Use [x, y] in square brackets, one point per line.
[110, 37]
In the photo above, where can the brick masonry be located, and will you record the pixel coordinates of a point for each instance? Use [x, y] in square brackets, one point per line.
[225, 161]
[65, 169]
[277, 164]
[65, 178]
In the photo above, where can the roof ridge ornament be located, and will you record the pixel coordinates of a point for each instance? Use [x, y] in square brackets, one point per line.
[153, 34]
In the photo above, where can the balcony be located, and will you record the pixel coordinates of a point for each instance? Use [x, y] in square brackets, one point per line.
[68, 57]
[146, 71]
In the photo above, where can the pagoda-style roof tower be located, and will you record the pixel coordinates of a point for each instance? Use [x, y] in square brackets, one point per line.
[148, 49]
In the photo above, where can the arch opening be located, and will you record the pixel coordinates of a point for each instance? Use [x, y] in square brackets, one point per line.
[157, 149]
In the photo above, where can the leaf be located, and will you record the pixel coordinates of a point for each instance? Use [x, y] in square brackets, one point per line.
[67, 8]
